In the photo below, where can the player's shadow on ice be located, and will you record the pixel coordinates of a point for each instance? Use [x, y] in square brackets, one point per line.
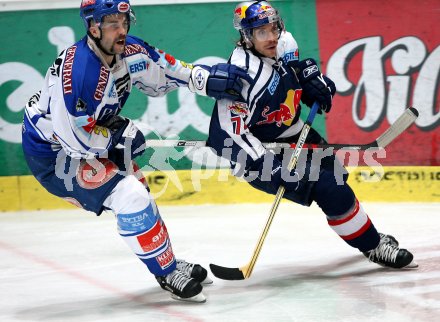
[143, 306]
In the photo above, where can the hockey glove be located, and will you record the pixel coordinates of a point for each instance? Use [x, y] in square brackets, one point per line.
[269, 168]
[316, 86]
[126, 135]
[224, 81]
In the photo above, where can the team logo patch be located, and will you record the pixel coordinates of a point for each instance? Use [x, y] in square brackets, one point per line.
[123, 7]
[239, 108]
[94, 173]
[199, 80]
[80, 105]
[287, 111]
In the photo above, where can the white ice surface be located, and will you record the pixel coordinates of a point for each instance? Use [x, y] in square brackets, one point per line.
[73, 266]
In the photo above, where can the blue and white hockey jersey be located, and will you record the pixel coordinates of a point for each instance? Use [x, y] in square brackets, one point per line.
[81, 92]
[271, 109]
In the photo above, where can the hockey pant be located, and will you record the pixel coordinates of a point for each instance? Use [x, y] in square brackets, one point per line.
[140, 225]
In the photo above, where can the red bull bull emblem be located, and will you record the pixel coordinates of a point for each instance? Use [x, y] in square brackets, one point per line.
[239, 108]
[287, 111]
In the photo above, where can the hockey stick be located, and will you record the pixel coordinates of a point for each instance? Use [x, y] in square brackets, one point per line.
[244, 272]
[400, 125]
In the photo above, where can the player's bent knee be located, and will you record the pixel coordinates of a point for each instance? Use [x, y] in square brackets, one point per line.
[333, 198]
[129, 196]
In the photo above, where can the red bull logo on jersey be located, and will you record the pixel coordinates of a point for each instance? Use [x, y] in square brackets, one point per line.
[287, 111]
[239, 108]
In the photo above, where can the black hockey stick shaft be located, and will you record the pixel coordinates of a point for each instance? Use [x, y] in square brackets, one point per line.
[400, 125]
[244, 272]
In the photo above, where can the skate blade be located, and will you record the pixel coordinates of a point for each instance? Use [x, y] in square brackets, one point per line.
[199, 298]
[207, 281]
[413, 264]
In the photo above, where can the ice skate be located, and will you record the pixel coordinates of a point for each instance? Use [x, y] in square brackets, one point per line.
[182, 287]
[388, 254]
[389, 239]
[194, 271]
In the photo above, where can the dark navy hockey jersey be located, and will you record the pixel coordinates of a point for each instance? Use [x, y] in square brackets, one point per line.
[271, 109]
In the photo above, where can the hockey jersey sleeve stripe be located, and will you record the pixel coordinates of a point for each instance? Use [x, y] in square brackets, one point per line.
[33, 122]
[71, 151]
[178, 80]
[251, 93]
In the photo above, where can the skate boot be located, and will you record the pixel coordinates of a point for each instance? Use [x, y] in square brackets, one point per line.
[389, 239]
[388, 254]
[182, 287]
[194, 271]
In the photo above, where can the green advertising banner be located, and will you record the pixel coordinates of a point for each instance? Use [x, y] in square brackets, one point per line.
[197, 33]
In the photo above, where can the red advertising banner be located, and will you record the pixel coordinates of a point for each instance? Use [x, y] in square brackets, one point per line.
[384, 56]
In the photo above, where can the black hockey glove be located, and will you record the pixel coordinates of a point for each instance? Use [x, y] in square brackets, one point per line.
[316, 86]
[269, 168]
[126, 135]
[225, 81]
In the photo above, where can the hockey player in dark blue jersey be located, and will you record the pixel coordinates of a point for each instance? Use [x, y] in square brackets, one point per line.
[270, 113]
[80, 149]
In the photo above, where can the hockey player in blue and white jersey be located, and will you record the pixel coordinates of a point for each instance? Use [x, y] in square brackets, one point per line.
[80, 149]
[270, 113]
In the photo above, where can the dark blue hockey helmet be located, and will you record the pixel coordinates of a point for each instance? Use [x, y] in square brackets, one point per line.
[97, 9]
[254, 14]
[249, 15]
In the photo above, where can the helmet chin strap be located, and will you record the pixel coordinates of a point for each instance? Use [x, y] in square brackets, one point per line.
[98, 42]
